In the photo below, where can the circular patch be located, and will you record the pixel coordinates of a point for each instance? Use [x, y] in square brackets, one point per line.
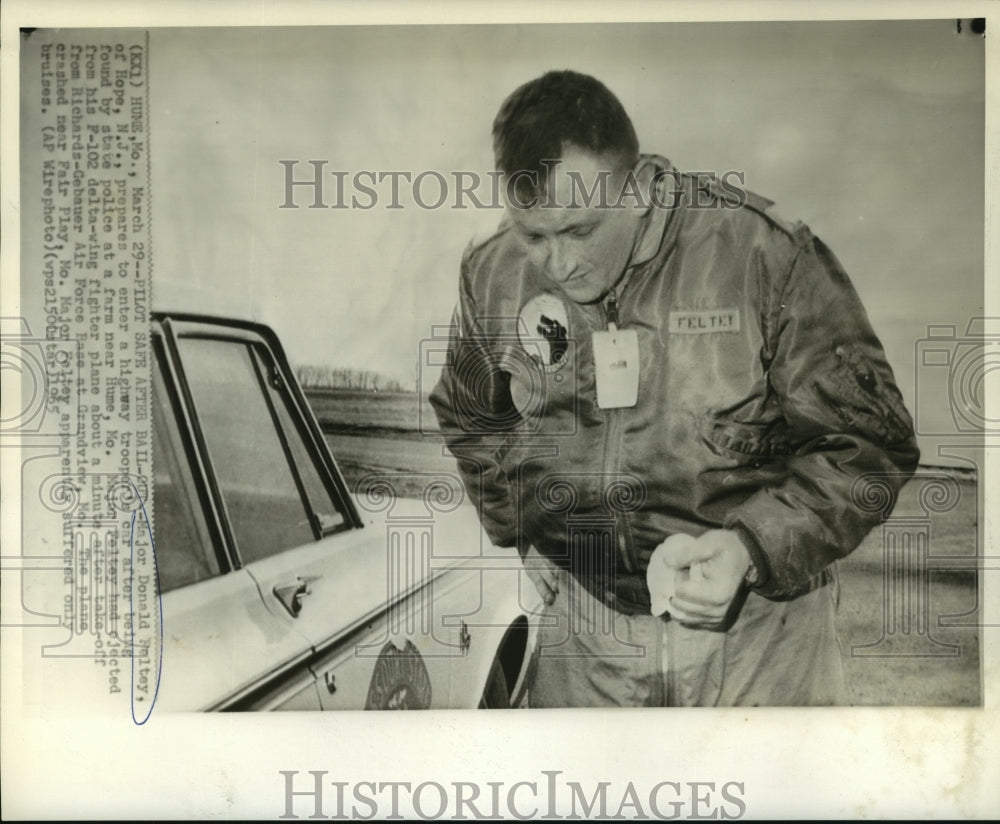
[400, 680]
[543, 329]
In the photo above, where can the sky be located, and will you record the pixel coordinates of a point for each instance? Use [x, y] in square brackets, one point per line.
[870, 132]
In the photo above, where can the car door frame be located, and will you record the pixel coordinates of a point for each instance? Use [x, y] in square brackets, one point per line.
[271, 686]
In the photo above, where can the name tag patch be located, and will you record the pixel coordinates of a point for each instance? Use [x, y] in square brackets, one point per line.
[703, 321]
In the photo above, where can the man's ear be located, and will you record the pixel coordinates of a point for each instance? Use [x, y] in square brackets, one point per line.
[641, 178]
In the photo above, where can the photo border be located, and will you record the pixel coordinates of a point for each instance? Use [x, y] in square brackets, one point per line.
[843, 762]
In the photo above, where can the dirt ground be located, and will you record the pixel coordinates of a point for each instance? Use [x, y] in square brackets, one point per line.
[909, 630]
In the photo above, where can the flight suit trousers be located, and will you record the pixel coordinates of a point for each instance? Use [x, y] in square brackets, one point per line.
[776, 653]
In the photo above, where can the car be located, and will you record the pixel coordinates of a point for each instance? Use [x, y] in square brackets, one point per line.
[283, 589]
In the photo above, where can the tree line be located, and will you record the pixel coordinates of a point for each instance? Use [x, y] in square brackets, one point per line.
[330, 377]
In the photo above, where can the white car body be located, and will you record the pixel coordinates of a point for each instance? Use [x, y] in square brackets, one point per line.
[387, 603]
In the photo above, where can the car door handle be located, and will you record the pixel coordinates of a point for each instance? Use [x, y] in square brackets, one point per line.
[290, 595]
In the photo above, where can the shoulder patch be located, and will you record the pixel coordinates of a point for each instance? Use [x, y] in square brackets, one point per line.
[543, 330]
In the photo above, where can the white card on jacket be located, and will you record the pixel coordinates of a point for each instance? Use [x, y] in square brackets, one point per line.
[616, 368]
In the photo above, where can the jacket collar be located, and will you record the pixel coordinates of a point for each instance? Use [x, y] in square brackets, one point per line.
[659, 224]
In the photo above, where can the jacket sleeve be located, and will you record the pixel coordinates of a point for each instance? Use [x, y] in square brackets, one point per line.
[839, 397]
[476, 414]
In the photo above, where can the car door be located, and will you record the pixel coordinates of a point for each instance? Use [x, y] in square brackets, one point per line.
[221, 645]
[352, 617]
[341, 589]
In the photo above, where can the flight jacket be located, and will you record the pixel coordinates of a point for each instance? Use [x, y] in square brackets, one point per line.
[765, 400]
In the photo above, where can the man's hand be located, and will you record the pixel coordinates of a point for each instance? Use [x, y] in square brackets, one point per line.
[543, 573]
[708, 572]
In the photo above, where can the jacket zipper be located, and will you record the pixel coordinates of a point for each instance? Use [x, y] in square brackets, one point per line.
[612, 419]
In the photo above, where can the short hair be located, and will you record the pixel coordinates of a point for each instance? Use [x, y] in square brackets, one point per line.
[540, 119]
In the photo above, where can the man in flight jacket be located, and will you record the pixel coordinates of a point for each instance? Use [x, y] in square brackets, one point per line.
[640, 360]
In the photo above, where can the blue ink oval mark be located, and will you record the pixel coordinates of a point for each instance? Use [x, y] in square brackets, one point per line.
[147, 622]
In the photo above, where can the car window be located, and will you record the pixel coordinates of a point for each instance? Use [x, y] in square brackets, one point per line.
[316, 492]
[273, 494]
[185, 552]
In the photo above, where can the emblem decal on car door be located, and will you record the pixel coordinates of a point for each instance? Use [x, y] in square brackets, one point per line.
[400, 680]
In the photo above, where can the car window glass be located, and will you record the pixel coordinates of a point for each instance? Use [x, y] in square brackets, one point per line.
[319, 498]
[263, 492]
[184, 550]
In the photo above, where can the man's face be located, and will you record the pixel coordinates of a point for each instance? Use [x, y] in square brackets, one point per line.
[582, 250]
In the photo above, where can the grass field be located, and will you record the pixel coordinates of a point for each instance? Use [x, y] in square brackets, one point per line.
[908, 630]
